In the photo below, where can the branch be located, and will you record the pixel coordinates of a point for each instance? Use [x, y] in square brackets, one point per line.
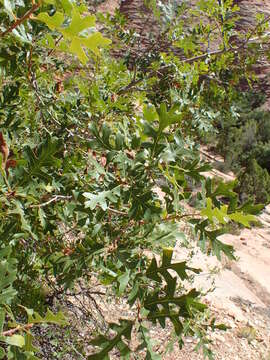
[134, 82]
[56, 43]
[18, 22]
[249, 40]
[16, 329]
[83, 292]
[118, 212]
[180, 216]
[54, 199]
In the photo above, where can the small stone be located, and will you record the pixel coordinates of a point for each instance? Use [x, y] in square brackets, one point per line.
[220, 338]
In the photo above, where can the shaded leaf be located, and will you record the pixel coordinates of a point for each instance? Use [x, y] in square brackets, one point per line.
[107, 344]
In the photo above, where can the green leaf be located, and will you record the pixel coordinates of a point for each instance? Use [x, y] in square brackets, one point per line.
[133, 294]
[173, 307]
[163, 117]
[242, 218]
[76, 49]
[187, 301]
[78, 24]
[167, 118]
[53, 22]
[123, 281]
[49, 318]
[25, 225]
[148, 344]
[2, 319]
[218, 247]
[42, 217]
[21, 34]
[150, 113]
[7, 277]
[107, 344]
[101, 198]
[2, 353]
[15, 340]
[95, 41]
[153, 272]
[250, 208]
[29, 343]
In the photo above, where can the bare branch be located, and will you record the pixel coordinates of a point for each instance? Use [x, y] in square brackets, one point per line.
[16, 329]
[54, 199]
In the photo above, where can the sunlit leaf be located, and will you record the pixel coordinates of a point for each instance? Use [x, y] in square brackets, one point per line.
[53, 22]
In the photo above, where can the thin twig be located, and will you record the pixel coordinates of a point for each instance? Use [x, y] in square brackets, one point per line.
[16, 329]
[18, 22]
[250, 39]
[54, 199]
[56, 43]
[203, 56]
[179, 217]
[84, 291]
[118, 212]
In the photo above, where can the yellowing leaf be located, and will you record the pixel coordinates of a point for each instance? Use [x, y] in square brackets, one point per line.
[78, 24]
[222, 214]
[242, 218]
[16, 340]
[52, 22]
[67, 6]
[208, 210]
[215, 213]
[94, 41]
[76, 48]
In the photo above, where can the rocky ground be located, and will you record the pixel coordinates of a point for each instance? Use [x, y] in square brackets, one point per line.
[241, 296]
[237, 293]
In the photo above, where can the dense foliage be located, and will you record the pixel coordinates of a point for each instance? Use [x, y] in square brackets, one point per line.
[243, 139]
[86, 141]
